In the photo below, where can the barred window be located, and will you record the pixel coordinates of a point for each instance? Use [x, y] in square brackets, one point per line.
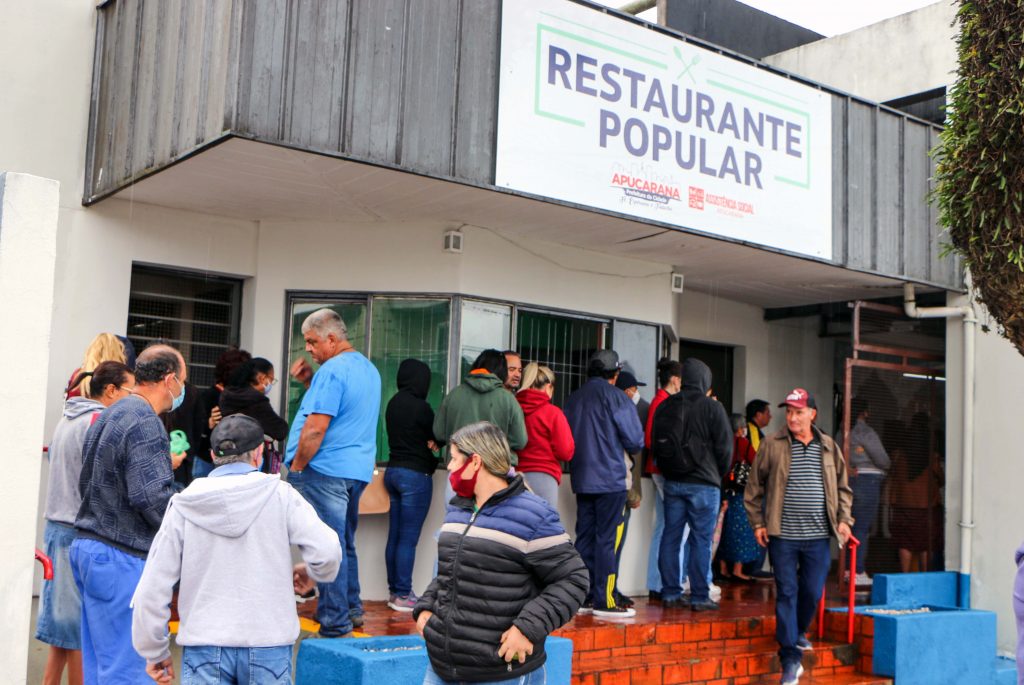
[198, 314]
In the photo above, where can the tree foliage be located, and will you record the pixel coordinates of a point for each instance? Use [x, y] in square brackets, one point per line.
[980, 171]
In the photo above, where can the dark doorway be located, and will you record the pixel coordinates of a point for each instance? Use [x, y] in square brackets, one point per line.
[719, 358]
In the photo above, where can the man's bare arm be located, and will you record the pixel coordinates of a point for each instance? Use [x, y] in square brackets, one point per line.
[309, 440]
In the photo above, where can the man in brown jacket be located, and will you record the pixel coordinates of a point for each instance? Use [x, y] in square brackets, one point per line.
[796, 498]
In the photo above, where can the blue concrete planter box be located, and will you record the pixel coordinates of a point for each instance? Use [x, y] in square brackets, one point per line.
[394, 660]
[943, 645]
[943, 589]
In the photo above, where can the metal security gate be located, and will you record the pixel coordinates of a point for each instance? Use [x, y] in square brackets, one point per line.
[896, 374]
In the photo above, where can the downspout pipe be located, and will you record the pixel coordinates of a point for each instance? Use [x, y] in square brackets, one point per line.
[967, 314]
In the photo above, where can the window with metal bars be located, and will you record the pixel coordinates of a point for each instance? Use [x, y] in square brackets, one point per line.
[198, 314]
[562, 343]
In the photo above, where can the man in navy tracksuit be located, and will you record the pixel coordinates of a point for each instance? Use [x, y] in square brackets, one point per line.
[606, 429]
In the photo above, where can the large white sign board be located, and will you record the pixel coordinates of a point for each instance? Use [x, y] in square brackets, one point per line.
[602, 112]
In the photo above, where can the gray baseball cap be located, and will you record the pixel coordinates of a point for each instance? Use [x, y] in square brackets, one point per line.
[606, 360]
[236, 434]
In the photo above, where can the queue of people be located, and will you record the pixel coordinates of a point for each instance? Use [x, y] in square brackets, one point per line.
[130, 532]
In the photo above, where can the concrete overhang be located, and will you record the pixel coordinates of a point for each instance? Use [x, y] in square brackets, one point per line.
[252, 180]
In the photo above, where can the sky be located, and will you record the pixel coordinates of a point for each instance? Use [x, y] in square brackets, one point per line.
[827, 17]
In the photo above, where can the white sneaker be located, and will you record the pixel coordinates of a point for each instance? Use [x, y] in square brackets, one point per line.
[863, 579]
[714, 592]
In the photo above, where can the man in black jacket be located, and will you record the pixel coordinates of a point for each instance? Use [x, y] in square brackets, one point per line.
[693, 478]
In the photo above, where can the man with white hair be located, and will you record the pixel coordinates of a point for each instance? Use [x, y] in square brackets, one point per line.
[332, 449]
[227, 540]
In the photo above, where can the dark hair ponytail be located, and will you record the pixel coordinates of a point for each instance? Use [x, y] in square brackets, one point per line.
[246, 373]
[107, 373]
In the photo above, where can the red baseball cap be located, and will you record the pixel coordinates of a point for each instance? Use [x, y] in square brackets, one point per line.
[799, 398]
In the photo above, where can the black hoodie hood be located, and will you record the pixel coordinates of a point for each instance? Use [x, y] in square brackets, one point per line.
[414, 377]
[696, 377]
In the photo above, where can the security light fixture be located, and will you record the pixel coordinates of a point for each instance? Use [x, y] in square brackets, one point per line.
[453, 241]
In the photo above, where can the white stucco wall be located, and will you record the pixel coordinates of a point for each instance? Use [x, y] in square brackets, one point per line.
[907, 54]
[998, 509]
[28, 252]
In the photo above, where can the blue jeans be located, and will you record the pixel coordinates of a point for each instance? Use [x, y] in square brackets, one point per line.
[410, 492]
[866, 490]
[106, 578]
[653, 570]
[336, 502]
[696, 506]
[800, 568]
[236, 665]
[60, 603]
[538, 677]
[201, 469]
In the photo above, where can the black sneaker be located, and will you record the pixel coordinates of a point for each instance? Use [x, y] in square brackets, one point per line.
[706, 605]
[614, 612]
[623, 600]
[586, 608]
[677, 603]
[804, 645]
[653, 596]
[357, 620]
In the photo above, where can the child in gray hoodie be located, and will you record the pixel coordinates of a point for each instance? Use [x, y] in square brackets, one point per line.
[227, 540]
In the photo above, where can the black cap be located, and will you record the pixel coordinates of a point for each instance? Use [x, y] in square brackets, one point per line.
[627, 380]
[236, 434]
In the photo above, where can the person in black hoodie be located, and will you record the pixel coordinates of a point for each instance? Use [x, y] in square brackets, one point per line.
[247, 393]
[408, 478]
[692, 444]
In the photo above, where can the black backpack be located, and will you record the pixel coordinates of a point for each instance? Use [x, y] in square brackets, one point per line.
[672, 443]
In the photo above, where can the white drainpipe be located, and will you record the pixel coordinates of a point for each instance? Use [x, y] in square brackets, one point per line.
[967, 442]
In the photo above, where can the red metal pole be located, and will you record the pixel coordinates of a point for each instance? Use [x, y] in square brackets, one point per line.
[47, 565]
[853, 543]
[821, 614]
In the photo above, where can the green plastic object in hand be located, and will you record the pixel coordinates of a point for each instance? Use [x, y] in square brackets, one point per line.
[179, 442]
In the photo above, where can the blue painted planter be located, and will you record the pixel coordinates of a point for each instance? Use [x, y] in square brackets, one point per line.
[394, 660]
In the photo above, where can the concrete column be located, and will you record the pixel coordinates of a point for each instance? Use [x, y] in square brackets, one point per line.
[28, 252]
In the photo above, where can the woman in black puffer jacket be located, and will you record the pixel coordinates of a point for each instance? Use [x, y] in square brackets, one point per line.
[507, 573]
[247, 392]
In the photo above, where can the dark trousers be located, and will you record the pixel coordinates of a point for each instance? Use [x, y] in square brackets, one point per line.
[598, 531]
[621, 542]
[866, 490]
[800, 568]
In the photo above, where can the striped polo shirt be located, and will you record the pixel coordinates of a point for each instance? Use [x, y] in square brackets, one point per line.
[804, 516]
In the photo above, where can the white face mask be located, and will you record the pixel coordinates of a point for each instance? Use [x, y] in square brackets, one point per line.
[636, 398]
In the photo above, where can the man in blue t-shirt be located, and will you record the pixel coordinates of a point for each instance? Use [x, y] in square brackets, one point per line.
[331, 452]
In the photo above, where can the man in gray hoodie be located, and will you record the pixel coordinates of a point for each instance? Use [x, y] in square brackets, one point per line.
[227, 539]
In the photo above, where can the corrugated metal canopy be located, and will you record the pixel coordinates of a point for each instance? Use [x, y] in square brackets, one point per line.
[257, 181]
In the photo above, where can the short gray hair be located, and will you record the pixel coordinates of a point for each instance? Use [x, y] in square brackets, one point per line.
[243, 458]
[325, 321]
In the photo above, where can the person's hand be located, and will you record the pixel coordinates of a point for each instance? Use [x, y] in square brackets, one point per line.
[844, 533]
[514, 645]
[215, 417]
[635, 503]
[725, 505]
[432, 446]
[301, 580]
[301, 371]
[162, 671]
[177, 459]
[421, 622]
[761, 535]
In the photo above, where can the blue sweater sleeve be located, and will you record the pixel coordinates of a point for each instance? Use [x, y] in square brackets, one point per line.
[627, 423]
[148, 476]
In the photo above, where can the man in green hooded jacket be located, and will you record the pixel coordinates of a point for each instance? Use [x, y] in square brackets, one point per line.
[482, 397]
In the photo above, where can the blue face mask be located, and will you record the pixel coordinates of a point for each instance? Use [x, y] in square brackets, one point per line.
[176, 401]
